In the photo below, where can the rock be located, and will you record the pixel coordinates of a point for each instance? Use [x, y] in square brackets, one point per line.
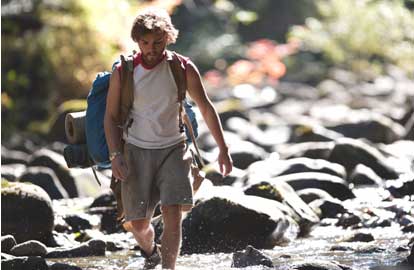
[47, 158]
[93, 247]
[27, 212]
[408, 228]
[312, 133]
[107, 198]
[46, 179]
[360, 237]
[344, 77]
[350, 153]
[310, 194]
[282, 192]
[327, 208]
[375, 128]
[213, 174]
[335, 186]
[272, 167]
[364, 176]
[369, 249]
[404, 186]
[77, 223]
[109, 221]
[63, 266]
[250, 257]
[23, 263]
[245, 153]
[319, 265]
[29, 248]
[298, 91]
[315, 150]
[13, 156]
[12, 172]
[410, 258]
[206, 141]
[242, 220]
[7, 243]
[348, 220]
[226, 115]
[112, 246]
[264, 190]
[377, 222]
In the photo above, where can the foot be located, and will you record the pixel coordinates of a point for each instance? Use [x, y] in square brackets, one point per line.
[152, 260]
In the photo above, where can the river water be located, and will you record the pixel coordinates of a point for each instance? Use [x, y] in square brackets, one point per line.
[314, 247]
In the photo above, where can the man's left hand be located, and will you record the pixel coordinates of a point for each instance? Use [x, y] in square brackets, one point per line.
[225, 162]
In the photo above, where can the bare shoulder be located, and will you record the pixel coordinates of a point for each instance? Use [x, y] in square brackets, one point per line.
[192, 71]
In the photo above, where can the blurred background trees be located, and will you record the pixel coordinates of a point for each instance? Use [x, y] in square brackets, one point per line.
[52, 50]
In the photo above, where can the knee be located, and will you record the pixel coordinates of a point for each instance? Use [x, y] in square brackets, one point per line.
[171, 210]
[171, 214]
[140, 226]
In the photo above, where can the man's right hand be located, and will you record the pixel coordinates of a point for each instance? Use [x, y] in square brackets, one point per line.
[119, 168]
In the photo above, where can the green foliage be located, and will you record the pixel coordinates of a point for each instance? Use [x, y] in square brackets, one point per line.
[361, 35]
[51, 52]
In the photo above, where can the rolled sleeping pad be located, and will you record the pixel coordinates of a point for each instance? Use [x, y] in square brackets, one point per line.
[75, 127]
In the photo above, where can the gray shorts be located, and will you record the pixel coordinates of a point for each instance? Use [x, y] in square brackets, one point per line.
[154, 175]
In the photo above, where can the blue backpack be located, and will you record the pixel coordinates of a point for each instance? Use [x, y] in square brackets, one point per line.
[95, 112]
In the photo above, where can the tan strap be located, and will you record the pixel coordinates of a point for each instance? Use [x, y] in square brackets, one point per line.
[187, 123]
[127, 88]
[179, 73]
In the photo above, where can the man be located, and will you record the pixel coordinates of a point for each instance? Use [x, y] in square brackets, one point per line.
[155, 165]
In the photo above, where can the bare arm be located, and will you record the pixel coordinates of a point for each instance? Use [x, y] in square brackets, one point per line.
[111, 121]
[198, 94]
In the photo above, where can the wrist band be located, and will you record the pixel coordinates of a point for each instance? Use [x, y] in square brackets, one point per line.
[113, 155]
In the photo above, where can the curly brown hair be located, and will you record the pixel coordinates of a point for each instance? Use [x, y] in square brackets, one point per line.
[153, 20]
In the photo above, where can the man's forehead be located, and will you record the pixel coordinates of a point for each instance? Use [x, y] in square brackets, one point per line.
[153, 35]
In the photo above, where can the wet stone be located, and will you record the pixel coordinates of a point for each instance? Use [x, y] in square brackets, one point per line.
[7, 243]
[250, 257]
[348, 220]
[360, 237]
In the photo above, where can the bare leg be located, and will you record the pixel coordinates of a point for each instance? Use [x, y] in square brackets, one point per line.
[171, 236]
[144, 234]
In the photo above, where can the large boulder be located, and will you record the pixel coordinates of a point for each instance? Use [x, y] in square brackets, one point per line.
[26, 212]
[226, 220]
[47, 158]
[7, 243]
[335, 186]
[350, 153]
[45, 178]
[284, 193]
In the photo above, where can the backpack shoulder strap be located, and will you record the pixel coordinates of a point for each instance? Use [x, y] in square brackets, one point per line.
[127, 87]
[178, 69]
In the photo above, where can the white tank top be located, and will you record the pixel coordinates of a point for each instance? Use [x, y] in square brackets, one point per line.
[155, 108]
